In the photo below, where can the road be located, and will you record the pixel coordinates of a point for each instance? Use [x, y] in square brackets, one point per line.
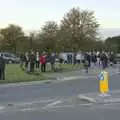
[95, 113]
[56, 101]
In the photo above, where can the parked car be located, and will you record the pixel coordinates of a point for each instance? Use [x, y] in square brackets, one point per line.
[118, 58]
[10, 57]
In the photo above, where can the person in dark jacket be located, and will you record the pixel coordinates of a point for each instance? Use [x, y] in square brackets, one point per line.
[88, 58]
[2, 68]
[32, 62]
[52, 61]
[93, 60]
[104, 60]
[86, 62]
[27, 55]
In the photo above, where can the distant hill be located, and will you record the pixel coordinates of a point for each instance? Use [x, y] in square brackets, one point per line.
[109, 32]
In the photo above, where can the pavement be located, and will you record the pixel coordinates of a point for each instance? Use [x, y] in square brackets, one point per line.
[56, 100]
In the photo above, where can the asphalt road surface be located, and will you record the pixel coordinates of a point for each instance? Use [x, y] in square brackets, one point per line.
[79, 113]
[56, 101]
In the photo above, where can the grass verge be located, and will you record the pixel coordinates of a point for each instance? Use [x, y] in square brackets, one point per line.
[13, 74]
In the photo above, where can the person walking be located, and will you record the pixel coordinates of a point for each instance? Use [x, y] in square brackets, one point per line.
[2, 68]
[92, 60]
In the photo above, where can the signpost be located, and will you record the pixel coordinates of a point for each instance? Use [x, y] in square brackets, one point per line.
[103, 83]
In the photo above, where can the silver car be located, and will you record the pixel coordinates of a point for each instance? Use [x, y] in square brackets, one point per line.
[10, 57]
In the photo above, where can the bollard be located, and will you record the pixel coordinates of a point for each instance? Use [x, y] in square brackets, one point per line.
[103, 82]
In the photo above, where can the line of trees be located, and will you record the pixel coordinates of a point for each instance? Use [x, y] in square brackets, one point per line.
[78, 30]
[113, 43]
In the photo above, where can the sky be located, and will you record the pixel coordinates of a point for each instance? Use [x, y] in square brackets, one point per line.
[32, 14]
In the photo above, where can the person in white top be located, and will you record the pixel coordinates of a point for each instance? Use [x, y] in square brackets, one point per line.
[65, 57]
[37, 60]
[98, 59]
[79, 57]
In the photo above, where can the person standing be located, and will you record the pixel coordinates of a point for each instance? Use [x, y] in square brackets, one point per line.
[69, 58]
[86, 62]
[92, 60]
[52, 61]
[2, 68]
[89, 59]
[22, 60]
[43, 62]
[78, 58]
[98, 59]
[104, 60]
[27, 64]
[37, 60]
[74, 58]
[32, 62]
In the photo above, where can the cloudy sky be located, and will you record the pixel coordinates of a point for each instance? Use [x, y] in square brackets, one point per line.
[31, 14]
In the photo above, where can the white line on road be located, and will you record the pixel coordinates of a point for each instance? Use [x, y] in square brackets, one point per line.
[52, 104]
[72, 106]
[27, 109]
[89, 99]
[34, 102]
[75, 78]
[56, 108]
[2, 107]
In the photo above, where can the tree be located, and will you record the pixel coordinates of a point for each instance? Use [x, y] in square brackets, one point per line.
[48, 35]
[77, 27]
[11, 35]
[113, 43]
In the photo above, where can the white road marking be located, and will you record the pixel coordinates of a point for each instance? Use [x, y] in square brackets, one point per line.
[75, 77]
[71, 106]
[27, 109]
[56, 108]
[2, 107]
[89, 99]
[52, 104]
[34, 102]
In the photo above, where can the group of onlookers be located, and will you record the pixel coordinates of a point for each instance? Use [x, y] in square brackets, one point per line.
[91, 59]
[37, 60]
[88, 59]
[101, 60]
[31, 60]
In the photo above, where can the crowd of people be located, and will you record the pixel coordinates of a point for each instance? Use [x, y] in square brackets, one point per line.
[92, 60]
[33, 60]
[37, 60]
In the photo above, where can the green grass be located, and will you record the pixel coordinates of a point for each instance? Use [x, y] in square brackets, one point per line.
[71, 66]
[14, 74]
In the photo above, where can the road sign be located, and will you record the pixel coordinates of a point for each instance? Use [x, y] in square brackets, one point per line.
[103, 82]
